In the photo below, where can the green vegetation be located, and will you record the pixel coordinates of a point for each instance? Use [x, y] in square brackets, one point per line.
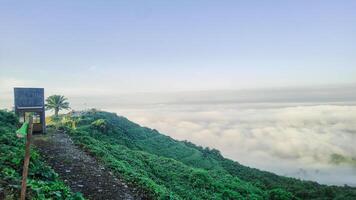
[57, 103]
[170, 169]
[43, 182]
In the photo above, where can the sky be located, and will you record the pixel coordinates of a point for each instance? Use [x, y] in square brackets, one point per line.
[272, 84]
[165, 46]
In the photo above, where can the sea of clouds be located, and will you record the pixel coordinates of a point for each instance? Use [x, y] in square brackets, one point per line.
[307, 133]
[303, 133]
[295, 140]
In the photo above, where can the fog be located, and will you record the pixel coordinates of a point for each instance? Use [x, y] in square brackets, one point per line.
[313, 142]
[304, 133]
[294, 133]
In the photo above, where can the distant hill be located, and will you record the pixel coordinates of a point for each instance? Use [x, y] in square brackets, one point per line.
[169, 169]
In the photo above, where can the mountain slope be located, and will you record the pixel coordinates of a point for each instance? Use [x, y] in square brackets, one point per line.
[81, 172]
[167, 168]
[43, 182]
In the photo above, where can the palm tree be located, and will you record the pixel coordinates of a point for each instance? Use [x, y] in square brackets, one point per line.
[57, 103]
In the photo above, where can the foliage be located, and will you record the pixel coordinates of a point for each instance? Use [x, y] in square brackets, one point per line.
[279, 194]
[101, 125]
[167, 168]
[57, 103]
[43, 182]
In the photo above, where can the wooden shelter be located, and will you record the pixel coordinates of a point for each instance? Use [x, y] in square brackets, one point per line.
[31, 100]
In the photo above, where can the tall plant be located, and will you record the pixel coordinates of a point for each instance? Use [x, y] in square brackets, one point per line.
[57, 103]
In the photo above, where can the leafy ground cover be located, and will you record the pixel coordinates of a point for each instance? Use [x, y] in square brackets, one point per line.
[170, 169]
[81, 172]
[43, 182]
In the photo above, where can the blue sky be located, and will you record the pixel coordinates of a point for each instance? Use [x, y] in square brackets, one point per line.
[163, 46]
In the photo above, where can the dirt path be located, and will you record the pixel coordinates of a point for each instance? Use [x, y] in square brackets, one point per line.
[81, 171]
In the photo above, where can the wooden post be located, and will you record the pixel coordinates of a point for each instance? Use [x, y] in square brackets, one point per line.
[27, 159]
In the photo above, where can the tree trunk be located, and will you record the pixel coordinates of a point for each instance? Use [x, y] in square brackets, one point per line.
[56, 110]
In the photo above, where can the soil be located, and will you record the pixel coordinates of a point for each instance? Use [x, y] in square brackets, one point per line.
[80, 171]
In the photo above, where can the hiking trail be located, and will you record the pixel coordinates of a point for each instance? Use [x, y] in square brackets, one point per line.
[80, 171]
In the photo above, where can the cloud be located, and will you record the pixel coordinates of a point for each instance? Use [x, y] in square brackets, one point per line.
[294, 132]
[286, 140]
[6, 89]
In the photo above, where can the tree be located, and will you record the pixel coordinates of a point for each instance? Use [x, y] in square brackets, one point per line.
[280, 194]
[57, 103]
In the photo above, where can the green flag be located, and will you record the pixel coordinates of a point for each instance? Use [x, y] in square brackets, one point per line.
[22, 132]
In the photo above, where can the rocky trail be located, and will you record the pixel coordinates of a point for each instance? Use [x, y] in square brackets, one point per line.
[81, 172]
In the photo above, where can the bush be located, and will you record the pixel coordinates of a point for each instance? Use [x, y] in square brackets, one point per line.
[280, 194]
[101, 125]
[43, 182]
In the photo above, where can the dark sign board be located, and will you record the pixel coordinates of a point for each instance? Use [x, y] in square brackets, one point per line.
[29, 97]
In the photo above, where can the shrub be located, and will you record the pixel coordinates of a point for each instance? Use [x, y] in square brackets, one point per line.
[101, 125]
[280, 194]
[43, 182]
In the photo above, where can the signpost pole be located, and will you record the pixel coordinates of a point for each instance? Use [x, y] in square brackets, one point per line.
[27, 159]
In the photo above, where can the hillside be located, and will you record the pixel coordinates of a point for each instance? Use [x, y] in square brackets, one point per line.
[43, 182]
[82, 172]
[169, 169]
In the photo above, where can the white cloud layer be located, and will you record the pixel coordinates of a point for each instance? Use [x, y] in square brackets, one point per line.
[294, 140]
[289, 131]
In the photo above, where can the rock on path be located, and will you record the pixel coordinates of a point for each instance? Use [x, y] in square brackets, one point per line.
[81, 172]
